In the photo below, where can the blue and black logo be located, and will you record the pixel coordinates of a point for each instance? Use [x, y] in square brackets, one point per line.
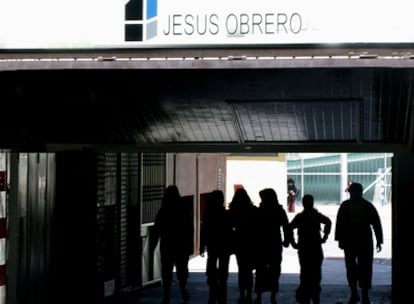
[140, 20]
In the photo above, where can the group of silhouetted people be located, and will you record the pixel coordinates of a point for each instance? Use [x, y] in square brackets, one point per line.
[257, 235]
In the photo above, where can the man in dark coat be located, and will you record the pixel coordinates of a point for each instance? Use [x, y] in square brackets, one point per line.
[175, 230]
[356, 218]
[308, 225]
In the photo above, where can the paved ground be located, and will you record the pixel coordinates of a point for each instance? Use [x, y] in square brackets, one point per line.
[331, 293]
[334, 287]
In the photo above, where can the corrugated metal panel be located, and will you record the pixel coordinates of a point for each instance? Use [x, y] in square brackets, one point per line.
[144, 108]
[311, 120]
[153, 184]
[183, 121]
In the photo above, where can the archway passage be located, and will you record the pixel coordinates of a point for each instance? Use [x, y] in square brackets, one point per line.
[320, 174]
[364, 108]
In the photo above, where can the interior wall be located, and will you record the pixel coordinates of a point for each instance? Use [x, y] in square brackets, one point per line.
[186, 173]
[255, 173]
[196, 174]
[31, 208]
[211, 172]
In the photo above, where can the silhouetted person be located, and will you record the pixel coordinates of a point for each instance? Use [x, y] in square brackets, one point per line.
[354, 223]
[293, 191]
[242, 215]
[308, 224]
[270, 221]
[174, 228]
[215, 233]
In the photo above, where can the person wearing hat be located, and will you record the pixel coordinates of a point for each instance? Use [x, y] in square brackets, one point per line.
[356, 222]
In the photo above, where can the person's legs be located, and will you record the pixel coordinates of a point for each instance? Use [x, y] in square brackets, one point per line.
[258, 285]
[273, 297]
[249, 280]
[365, 297]
[181, 263]
[245, 278]
[249, 286]
[258, 299]
[317, 277]
[212, 276]
[352, 274]
[316, 287]
[275, 270]
[365, 260]
[167, 266]
[303, 293]
[240, 278]
[212, 294]
[289, 203]
[223, 274]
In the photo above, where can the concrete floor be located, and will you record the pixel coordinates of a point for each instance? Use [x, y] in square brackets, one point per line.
[332, 293]
[334, 286]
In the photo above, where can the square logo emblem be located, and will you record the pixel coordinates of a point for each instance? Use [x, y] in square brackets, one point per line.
[141, 20]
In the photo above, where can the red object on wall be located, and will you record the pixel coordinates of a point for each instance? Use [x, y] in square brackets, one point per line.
[237, 186]
[2, 275]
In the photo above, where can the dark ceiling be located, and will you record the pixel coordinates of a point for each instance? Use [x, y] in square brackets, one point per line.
[220, 109]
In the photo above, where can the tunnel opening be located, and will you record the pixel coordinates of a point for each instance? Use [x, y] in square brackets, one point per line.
[325, 176]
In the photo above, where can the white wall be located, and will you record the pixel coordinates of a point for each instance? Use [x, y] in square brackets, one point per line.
[256, 174]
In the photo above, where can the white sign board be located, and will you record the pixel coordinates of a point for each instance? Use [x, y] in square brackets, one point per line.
[91, 24]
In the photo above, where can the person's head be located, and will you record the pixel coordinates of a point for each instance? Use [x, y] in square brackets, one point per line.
[215, 200]
[307, 201]
[268, 197]
[218, 195]
[355, 190]
[240, 199]
[171, 195]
